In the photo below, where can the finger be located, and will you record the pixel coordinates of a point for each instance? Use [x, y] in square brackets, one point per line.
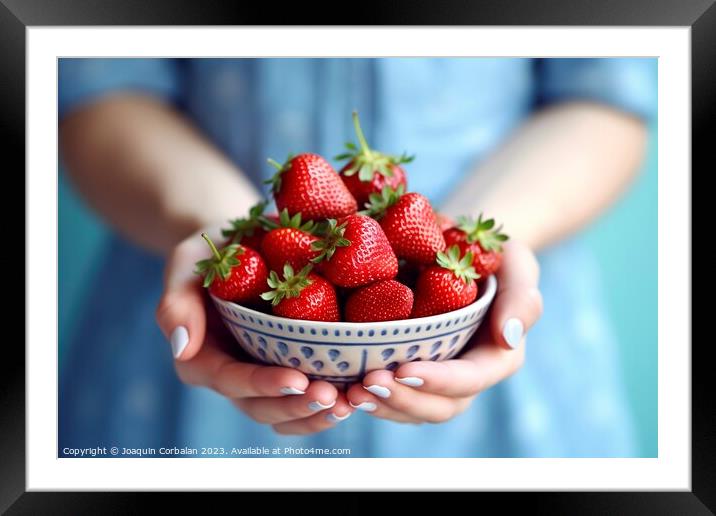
[518, 303]
[211, 367]
[318, 422]
[493, 364]
[319, 397]
[423, 406]
[453, 378]
[362, 400]
[181, 313]
[481, 367]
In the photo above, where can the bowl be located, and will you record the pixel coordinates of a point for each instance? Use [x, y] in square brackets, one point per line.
[343, 352]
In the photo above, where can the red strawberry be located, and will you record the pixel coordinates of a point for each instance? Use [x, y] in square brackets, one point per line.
[305, 296]
[386, 300]
[251, 230]
[290, 243]
[307, 184]
[480, 238]
[356, 252]
[409, 223]
[447, 286]
[229, 277]
[369, 171]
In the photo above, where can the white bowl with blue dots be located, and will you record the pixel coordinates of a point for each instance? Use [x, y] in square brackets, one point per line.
[343, 352]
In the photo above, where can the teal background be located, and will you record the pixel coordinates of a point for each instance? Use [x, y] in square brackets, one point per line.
[624, 241]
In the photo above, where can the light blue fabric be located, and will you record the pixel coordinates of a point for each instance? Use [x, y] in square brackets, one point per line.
[118, 386]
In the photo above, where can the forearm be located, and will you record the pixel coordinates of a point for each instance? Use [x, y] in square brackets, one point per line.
[148, 172]
[560, 170]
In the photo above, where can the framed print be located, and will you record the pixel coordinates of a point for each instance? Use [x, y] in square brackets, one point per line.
[450, 251]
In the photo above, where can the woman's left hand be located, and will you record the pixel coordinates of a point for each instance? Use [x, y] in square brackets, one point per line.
[435, 392]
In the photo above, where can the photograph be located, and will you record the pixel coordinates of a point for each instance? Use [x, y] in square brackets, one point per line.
[357, 257]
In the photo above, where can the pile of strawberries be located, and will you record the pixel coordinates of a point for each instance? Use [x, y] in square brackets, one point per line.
[322, 259]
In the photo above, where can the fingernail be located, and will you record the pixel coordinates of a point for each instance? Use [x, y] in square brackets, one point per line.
[366, 406]
[332, 418]
[317, 405]
[512, 331]
[291, 390]
[378, 390]
[411, 381]
[179, 339]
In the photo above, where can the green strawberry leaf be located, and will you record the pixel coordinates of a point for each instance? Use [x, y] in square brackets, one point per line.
[365, 161]
[461, 267]
[291, 285]
[483, 232]
[332, 240]
[221, 262]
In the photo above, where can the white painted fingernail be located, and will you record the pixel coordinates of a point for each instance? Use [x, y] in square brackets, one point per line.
[366, 406]
[315, 406]
[512, 331]
[378, 390]
[179, 339]
[332, 418]
[411, 381]
[291, 390]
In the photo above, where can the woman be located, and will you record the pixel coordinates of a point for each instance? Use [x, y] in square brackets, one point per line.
[163, 149]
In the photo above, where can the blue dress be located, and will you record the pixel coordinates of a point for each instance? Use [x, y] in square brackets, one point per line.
[118, 386]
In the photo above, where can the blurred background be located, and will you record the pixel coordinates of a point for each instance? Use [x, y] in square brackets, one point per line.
[624, 242]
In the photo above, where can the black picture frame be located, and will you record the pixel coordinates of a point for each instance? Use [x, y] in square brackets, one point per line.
[17, 15]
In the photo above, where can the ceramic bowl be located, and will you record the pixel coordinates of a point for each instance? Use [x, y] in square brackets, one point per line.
[344, 352]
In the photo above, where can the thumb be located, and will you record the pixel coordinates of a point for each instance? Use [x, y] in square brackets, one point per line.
[518, 304]
[181, 313]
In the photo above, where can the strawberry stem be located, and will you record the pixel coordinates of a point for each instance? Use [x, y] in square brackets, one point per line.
[361, 137]
[278, 166]
[214, 250]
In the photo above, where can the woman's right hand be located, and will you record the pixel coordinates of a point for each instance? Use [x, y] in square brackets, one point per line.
[205, 355]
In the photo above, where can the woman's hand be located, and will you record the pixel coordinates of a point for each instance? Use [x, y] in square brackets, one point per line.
[205, 355]
[435, 392]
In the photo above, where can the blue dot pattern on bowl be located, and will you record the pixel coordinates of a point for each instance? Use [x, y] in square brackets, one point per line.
[343, 356]
[412, 350]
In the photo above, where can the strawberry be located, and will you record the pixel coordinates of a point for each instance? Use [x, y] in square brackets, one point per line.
[251, 230]
[447, 286]
[290, 243]
[356, 252]
[305, 296]
[369, 171]
[229, 277]
[409, 223]
[386, 300]
[307, 184]
[482, 239]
